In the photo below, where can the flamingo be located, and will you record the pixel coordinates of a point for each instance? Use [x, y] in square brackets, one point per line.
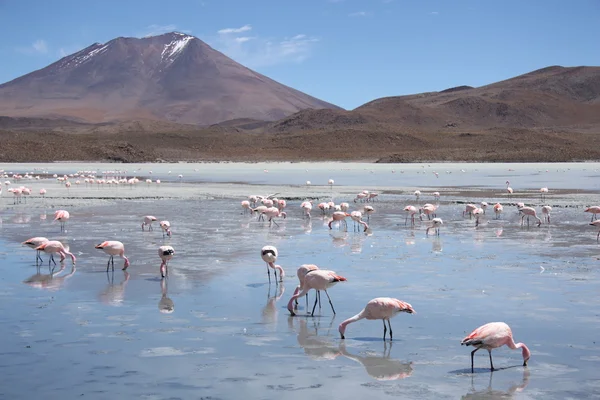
[165, 253]
[593, 210]
[246, 206]
[372, 196]
[596, 223]
[273, 212]
[360, 197]
[62, 216]
[543, 192]
[484, 206]
[166, 228]
[113, 248]
[477, 212]
[301, 274]
[498, 210]
[435, 224]
[269, 255]
[345, 207]
[260, 210]
[42, 192]
[35, 242]
[339, 216]
[367, 210]
[382, 308]
[148, 220]
[491, 336]
[320, 279]
[331, 182]
[436, 195]
[527, 212]
[509, 189]
[546, 213]
[357, 218]
[429, 210]
[417, 194]
[306, 206]
[469, 208]
[54, 246]
[410, 210]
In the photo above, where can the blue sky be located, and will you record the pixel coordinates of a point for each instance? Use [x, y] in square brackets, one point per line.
[347, 52]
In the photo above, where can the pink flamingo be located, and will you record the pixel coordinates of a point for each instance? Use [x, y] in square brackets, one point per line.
[596, 223]
[593, 210]
[273, 212]
[435, 224]
[469, 208]
[261, 212]
[436, 195]
[34, 243]
[345, 207]
[484, 206]
[360, 197]
[301, 274]
[269, 255]
[357, 218]
[429, 210]
[546, 213]
[148, 220]
[339, 216]
[509, 189]
[372, 196]
[477, 212]
[281, 204]
[166, 228]
[498, 210]
[54, 246]
[367, 210]
[246, 206]
[410, 210]
[324, 207]
[306, 207]
[165, 253]
[320, 279]
[491, 336]
[42, 192]
[62, 216]
[543, 192]
[382, 308]
[527, 212]
[113, 248]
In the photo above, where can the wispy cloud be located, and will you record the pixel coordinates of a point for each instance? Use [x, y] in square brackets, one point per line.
[241, 29]
[359, 14]
[155, 30]
[38, 47]
[434, 13]
[257, 51]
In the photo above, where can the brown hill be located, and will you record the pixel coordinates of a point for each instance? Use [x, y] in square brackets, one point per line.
[172, 77]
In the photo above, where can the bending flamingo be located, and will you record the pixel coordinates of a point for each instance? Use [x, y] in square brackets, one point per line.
[148, 220]
[435, 224]
[301, 274]
[318, 280]
[491, 336]
[357, 218]
[339, 216]
[113, 248]
[382, 308]
[165, 253]
[166, 228]
[498, 210]
[269, 255]
[593, 210]
[33, 243]
[54, 246]
[527, 212]
[546, 213]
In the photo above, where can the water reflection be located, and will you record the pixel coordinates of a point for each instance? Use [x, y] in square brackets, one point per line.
[339, 238]
[490, 393]
[50, 281]
[269, 311]
[315, 347]
[436, 245]
[114, 295]
[380, 367]
[165, 305]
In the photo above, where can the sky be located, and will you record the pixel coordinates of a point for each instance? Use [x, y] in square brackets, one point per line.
[346, 52]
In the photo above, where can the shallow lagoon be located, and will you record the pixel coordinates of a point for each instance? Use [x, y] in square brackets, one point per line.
[88, 333]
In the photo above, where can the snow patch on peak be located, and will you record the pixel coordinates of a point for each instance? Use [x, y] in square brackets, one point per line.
[171, 50]
[83, 56]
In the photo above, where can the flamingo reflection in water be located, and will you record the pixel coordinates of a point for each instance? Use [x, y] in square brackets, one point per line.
[50, 281]
[114, 295]
[490, 393]
[269, 311]
[316, 347]
[165, 305]
[381, 367]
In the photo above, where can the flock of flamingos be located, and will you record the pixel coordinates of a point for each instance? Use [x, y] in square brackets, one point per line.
[311, 277]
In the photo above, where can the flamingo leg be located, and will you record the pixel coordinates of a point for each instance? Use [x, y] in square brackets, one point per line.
[319, 296]
[330, 303]
[269, 273]
[390, 325]
[598, 236]
[38, 257]
[384, 329]
[312, 314]
[491, 363]
[472, 355]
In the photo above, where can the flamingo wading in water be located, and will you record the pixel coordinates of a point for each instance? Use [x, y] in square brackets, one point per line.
[33, 243]
[382, 308]
[319, 280]
[165, 253]
[491, 336]
[148, 220]
[269, 255]
[113, 248]
[62, 216]
[54, 246]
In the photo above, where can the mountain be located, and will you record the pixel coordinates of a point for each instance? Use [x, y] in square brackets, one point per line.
[172, 77]
[549, 98]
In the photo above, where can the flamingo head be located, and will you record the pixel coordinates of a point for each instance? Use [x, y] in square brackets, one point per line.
[126, 264]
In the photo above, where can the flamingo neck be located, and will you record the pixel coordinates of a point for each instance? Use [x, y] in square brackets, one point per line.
[524, 349]
[294, 297]
[357, 317]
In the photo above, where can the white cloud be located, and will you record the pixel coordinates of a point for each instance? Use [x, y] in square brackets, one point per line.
[227, 31]
[434, 13]
[359, 14]
[38, 47]
[155, 30]
[257, 51]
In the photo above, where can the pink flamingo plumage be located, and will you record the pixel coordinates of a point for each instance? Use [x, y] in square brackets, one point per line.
[382, 308]
[509, 189]
[498, 210]
[165, 253]
[357, 218]
[338, 216]
[593, 210]
[35, 242]
[318, 280]
[301, 274]
[54, 246]
[166, 228]
[410, 211]
[113, 248]
[546, 210]
[269, 255]
[62, 216]
[527, 212]
[148, 220]
[491, 336]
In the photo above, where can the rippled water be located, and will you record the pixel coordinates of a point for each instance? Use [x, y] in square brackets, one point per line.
[86, 332]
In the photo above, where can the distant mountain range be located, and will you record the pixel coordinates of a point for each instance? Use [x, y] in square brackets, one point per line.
[172, 77]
